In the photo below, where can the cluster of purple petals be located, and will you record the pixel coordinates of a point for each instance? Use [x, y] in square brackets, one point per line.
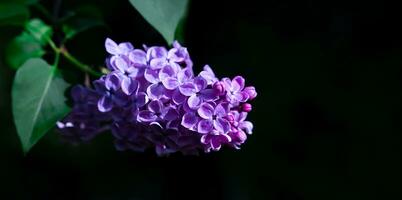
[151, 98]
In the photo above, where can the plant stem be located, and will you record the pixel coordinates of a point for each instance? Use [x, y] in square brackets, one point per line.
[53, 46]
[78, 63]
[63, 51]
[56, 59]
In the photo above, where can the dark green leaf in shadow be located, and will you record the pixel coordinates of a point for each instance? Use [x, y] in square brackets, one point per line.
[13, 14]
[163, 15]
[22, 48]
[38, 100]
[180, 30]
[80, 25]
[39, 30]
[81, 19]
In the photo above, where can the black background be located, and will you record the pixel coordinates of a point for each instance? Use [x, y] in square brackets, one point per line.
[327, 117]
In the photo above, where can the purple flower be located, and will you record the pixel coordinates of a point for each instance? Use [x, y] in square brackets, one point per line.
[158, 57]
[171, 77]
[155, 90]
[234, 89]
[239, 121]
[190, 120]
[138, 58]
[156, 52]
[239, 127]
[178, 53]
[157, 111]
[208, 75]
[118, 49]
[129, 136]
[251, 92]
[123, 65]
[151, 99]
[213, 118]
[115, 89]
[215, 141]
[201, 93]
[84, 121]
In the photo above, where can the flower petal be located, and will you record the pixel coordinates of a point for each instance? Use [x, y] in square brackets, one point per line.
[151, 75]
[221, 125]
[205, 126]
[200, 83]
[209, 94]
[240, 97]
[250, 90]
[78, 93]
[138, 57]
[158, 63]
[218, 140]
[121, 98]
[156, 52]
[194, 101]
[99, 84]
[113, 81]
[189, 120]
[205, 139]
[238, 136]
[208, 75]
[125, 47]
[227, 83]
[208, 69]
[221, 109]
[146, 116]
[166, 72]
[155, 91]
[246, 126]
[170, 83]
[141, 99]
[111, 47]
[156, 127]
[119, 63]
[177, 54]
[178, 98]
[187, 89]
[174, 124]
[237, 83]
[185, 75]
[129, 85]
[206, 111]
[155, 106]
[105, 104]
[170, 114]
[242, 116]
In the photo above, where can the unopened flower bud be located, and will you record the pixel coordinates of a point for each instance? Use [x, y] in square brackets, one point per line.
[250, 90]
[218, 86]
[246, 107]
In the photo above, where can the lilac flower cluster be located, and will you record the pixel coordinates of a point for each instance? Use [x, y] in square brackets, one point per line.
[151, 98]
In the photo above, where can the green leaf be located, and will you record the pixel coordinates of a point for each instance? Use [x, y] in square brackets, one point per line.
[163, 15]
[21, 2]
[13, 14]
[82, 19]
[179, 34]
[39, 30]
[77, 26]
[22, 48]
[37, 100]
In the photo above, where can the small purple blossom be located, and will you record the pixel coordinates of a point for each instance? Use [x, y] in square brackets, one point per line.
[151, 99]
[213, 118]
[84, 122]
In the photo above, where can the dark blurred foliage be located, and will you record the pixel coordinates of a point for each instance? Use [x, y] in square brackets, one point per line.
[327, 118]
